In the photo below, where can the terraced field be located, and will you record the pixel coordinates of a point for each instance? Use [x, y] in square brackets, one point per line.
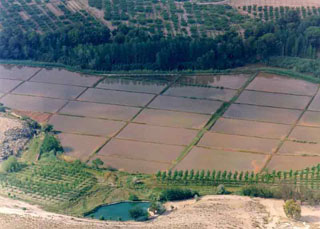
[139, 124]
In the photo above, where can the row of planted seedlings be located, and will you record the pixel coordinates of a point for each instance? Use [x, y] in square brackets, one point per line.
[309, 177]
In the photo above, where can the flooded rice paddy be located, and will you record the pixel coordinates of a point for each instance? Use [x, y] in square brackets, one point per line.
[144, 123]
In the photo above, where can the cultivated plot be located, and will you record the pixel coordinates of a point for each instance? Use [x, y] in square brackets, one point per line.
[274, 99]
[116, 97]
[310, 118]
[17, 72]
[209, 159]
[251, 128]
[241, 143]
[304, 133]
[299, 148]
[227, 81]
[80, 146]
[49, 90]
[153, 87]
[89, 126]
[315, 105]
[267, 114]
[97, 110]
[200, 92]
[31, 103]
[60, 76]
[158, 134]
[281, 84]
[132, 165]
[172, 118]
[141, 151]
[201, 106]
[7, 85]
[286, 163]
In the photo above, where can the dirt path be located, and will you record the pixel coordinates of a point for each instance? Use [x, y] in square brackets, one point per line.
[210, 212]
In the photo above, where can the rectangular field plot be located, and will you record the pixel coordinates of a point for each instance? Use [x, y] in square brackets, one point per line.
[49, 90]
[274, 100]
[31, 103]
[172, 119]
[251, 128]
[281, 84]
[116, 97]
[90, 126]
[310, 118]
[97, 110]
[132, 165]
[17, 72]
[208, 159]
[60, 76]
[158, 134]
[80, 146]
[286, 163]
[267, 114]
[141, 151]
[301, 149]
[183, 104]
[241, 143]
[315, 105]
[227, 81]
[303, 133]
[8, 85]
[132, 85]
[200, 92]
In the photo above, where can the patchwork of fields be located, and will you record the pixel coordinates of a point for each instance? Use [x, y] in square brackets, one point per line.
[141, 124]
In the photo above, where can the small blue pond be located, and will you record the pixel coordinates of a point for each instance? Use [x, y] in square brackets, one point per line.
[116, 211]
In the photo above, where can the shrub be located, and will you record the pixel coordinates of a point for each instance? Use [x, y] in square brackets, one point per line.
[292, 209]
[138, 213]
[177, 194]
[133, 197]
[11, 165]
[51, 144]
[97, 162]
[157, 208]
[221, 190]
[257, 191]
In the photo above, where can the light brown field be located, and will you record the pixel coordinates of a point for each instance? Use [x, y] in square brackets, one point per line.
[286, 163]
[80, 146]
[301, 149]
[227, 81]
[37, 116]
[276, 3]
[274, 100]
[201, 106]
[281, 84]
[267, 114]
[145, 151]
[310, 118]
[251, 128]
[172, 118]
[30, 103]
[235, 142]
[315, 105]
[60, 76]
[49, 90]
[200, 158]
[17, 72]
[303, 133]
[158, 134]
[116, 97]
[7, 85]
[200, 92]
[97, 110]
[131, 165]
[132, 85]
[90, 126]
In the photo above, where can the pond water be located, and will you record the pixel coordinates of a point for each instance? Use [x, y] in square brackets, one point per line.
[116, 211]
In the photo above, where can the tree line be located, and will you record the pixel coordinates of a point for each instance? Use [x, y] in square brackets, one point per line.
[127, 48]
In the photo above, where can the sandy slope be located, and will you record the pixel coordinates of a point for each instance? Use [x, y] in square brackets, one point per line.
[210, 212]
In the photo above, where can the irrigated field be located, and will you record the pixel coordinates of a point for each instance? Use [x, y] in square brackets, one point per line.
[139, 124]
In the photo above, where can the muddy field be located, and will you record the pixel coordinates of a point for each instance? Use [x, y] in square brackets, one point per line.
[144, 123]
